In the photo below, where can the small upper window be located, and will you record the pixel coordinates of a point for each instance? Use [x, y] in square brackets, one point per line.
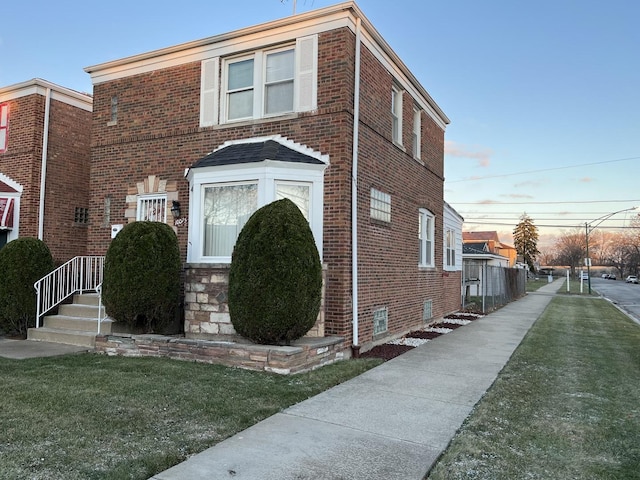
[4, 126]
[240, 89]
[396, 115]
[114, 110]
[380, 205]
[417, 125]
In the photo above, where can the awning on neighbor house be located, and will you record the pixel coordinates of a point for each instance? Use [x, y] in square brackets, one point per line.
[6, 212]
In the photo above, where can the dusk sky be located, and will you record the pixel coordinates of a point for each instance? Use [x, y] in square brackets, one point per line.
[543, 97]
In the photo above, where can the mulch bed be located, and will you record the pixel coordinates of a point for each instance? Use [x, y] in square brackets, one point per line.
[387, 351]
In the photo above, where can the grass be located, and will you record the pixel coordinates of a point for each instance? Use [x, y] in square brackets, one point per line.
[96, 417]
[565, 406]
[533, 285]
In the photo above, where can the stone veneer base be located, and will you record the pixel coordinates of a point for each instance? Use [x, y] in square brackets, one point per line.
[302, 355]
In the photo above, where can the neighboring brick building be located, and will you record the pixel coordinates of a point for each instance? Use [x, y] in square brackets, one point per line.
[35, 117]
[221, 126]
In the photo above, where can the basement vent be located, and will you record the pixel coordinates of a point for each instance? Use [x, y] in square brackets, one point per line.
[427, 310]
[380, 321]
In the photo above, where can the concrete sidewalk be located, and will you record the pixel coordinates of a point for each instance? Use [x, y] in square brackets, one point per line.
[391, 422]
[22, 349]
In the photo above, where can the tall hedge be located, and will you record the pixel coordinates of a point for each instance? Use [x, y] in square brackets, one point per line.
[22, 262]
[141, 285]
[275, 280]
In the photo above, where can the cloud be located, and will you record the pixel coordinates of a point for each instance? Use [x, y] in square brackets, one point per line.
[487, 202]
[483, 155]
[528, 183]
[586, 180]
[516, 195]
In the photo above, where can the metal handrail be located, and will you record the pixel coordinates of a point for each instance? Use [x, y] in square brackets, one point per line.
[99, 292]
[75, 276]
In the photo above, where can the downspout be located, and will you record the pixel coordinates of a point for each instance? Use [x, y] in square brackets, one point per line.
[355, 347]
[43, 170]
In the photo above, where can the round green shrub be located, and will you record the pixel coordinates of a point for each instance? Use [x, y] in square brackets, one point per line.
[275, 280]
[23, 262]
[141, 285]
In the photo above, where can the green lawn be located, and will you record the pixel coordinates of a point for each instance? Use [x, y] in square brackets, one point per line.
[566, 406]
[96, 417]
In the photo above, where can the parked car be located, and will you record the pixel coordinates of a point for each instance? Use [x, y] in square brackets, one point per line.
[631, 279]
[608, 276]
[584, 276]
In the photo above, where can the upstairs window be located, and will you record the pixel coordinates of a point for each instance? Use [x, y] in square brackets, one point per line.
[396, 115]
[261, 84]
[426, 227]
[417, 125]
[4, 126]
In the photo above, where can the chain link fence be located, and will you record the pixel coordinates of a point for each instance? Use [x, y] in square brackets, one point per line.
[486, 288]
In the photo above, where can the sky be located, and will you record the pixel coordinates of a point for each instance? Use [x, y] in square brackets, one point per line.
[543, 97]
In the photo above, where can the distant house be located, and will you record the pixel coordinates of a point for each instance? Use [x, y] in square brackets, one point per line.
[492, 243]
[452, 258]
[45, 134]
[315, 107]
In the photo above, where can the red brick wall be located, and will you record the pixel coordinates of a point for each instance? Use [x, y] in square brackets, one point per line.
[67, 183]
[21, 160]
[157, 133]
[452, 291]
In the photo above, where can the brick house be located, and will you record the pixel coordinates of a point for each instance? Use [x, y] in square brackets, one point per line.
[45, 133]
[314, 107]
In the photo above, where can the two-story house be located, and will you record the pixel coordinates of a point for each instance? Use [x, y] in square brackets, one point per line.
[45, 135]
[315, 107]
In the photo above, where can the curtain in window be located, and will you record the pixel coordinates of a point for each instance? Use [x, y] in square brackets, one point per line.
[240, 88]
[298, 194]
[279, 82]
[226, 209]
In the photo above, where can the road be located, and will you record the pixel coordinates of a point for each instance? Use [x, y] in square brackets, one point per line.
[624, 295]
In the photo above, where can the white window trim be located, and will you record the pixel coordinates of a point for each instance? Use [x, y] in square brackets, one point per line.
[396, 113]
[450, 236]
[422, 237]
[266, 174]
[417, 132]
[378, 196]
[213, 93]
[155, 196]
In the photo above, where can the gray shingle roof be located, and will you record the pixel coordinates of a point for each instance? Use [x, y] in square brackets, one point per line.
[254, 153]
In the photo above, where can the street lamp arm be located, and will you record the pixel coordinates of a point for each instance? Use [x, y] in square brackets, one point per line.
[592, 227]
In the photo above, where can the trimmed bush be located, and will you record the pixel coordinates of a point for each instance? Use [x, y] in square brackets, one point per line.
[23, 262]
[141, 285]
[275, 280]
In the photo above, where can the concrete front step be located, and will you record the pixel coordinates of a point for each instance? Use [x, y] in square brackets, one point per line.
[66, 322]
[81, 311]
[86, 299]
[68, 337]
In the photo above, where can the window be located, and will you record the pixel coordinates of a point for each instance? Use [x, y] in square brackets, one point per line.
[4, 127]
[240, 89]
[279, 82]
[380, 205]
[226, 209]
[450, 247]
[427, 310]
[265, 83]
[396, 115]
[417, 124]
[152, 208]
[380, 321]
[81, 215]
[426, 222]
[114, 110]
[223, 197]
[298, 193]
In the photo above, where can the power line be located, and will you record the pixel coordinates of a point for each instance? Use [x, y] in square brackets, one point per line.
[543, 170]
[581, 202]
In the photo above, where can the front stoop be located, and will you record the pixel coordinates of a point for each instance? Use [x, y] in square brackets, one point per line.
[75, 324]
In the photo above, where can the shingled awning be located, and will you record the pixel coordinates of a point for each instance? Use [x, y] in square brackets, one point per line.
[255, 152]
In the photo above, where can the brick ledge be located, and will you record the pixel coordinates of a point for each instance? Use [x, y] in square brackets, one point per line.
[302, 355]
